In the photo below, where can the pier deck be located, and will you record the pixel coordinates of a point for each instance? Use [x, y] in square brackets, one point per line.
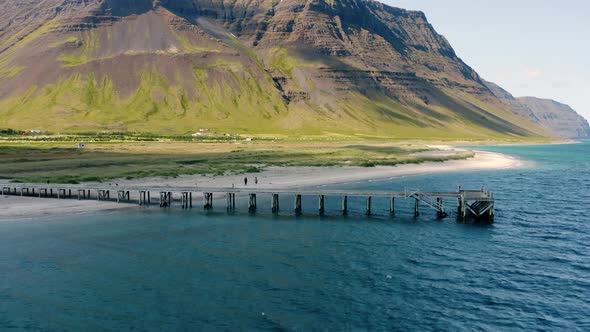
[478, 204]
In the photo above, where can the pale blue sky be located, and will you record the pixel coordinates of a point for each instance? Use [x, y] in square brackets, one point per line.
[535, 48]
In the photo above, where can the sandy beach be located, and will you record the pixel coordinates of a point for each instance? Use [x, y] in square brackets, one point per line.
[272, 177]
[295, 177]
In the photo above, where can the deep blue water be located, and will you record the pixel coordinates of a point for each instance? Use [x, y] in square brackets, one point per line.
[150, 270]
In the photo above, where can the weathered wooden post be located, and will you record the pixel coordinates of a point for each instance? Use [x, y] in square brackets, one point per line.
[440, 208]
[231, 201]
[417, 208]
[163, 202]
[208, 198]
[462, 210]
[275, 203]
[368, 205]
[190, 200]
[298, 208]
[185, 200]
[252, 203]
[344, 205]
[392, 206]
[493, 208]
[321, 202]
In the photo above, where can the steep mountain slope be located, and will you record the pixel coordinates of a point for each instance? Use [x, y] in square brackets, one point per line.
[268, 66]
[555, 117]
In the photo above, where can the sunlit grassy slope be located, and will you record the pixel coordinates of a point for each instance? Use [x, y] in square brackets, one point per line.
[191, 82]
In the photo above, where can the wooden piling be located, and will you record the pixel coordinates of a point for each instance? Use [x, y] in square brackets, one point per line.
[252, 203]
[275, 203]
[417, 208]
[321, 203]
[462, 210]
[392, 206]
[185, 199]
[298, 208]
[231, 201]
[344, 205]
[368, 205]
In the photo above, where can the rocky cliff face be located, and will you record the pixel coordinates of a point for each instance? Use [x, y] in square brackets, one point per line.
[557, 118]
[290, 66]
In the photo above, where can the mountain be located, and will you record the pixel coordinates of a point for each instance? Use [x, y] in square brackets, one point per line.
[267, 66]
[557, 118]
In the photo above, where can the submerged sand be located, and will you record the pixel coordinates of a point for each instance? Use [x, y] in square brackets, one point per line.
[13, 207]
[272, 177]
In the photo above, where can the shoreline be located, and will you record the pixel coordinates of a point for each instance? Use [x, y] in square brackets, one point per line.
[272, 177]
[20, 208]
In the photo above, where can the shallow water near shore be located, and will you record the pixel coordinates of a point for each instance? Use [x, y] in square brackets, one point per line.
[191, 270]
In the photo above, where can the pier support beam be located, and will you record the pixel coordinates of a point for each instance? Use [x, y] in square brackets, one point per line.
[252, 203]
[368, 205]
[231, 201]
[185, 198]
[417, 208]
[440, 213]
[165, 199]
[321, 205]
[392, 206]
[208, 201]
[103, 195]
[275, 203]
[345, 205]
[144, 198]
[298, 208]
[461, 209]
[122, 195]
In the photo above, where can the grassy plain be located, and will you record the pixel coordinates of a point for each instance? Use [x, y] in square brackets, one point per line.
[62, 162]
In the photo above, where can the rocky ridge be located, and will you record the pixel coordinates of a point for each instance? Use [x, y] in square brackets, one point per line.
[557, 118]
[290, 66]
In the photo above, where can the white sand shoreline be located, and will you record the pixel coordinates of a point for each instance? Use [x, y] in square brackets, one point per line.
[272, 177]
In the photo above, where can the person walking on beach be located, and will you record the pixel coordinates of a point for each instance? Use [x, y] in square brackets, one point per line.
[246, 181]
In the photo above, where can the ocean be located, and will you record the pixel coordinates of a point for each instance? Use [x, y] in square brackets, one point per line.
[174, 270]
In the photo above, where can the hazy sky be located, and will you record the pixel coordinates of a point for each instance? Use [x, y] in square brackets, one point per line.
[535, 48]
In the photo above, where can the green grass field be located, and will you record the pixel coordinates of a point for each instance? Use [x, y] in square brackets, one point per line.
[63, 162]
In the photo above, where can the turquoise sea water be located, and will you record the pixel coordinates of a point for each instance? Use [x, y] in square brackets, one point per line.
[152, 270]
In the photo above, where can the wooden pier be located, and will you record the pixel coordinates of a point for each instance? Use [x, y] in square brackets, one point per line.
[474, 204]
